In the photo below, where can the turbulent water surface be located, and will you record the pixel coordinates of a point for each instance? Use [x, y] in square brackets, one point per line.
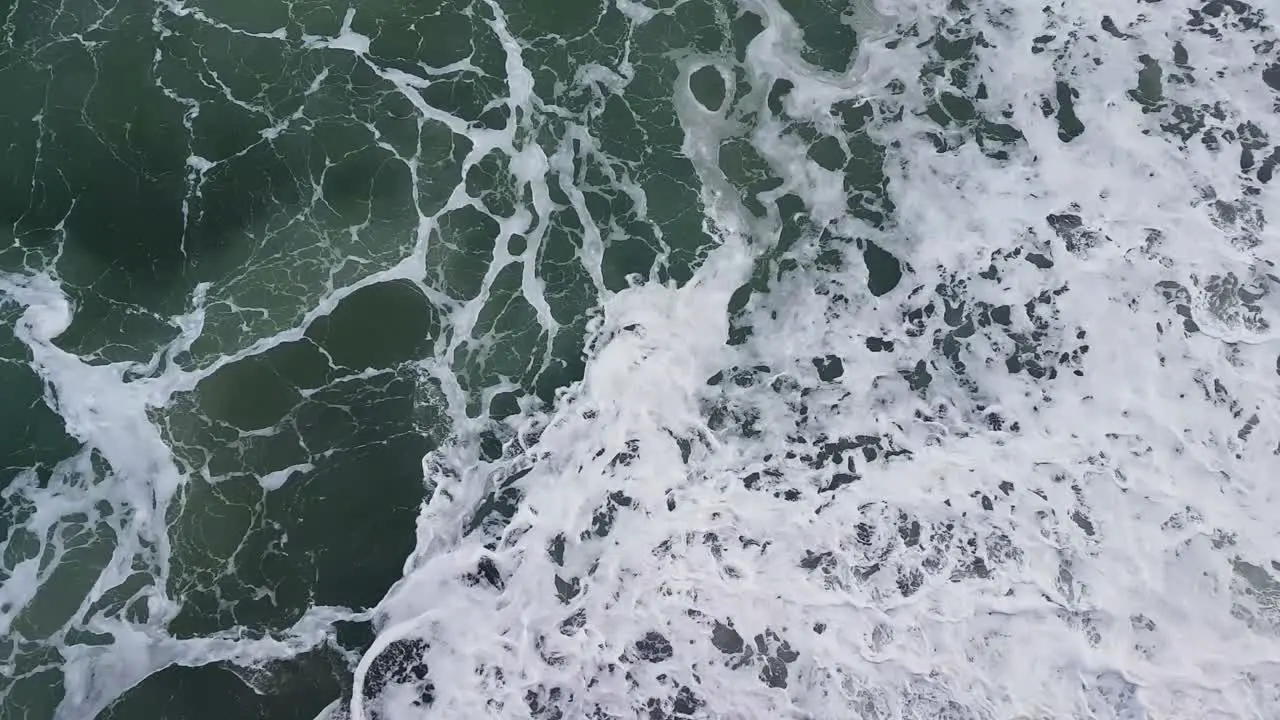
[654, 359]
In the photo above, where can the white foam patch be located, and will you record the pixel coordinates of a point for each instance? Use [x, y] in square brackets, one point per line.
[346, 39]
[1072, 518]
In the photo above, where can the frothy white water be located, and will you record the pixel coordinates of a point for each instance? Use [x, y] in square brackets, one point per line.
[1031, 481]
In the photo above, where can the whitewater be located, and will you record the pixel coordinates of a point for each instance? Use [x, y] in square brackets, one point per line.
[945, 384]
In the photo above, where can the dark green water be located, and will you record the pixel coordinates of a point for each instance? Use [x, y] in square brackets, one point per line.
[156, 151]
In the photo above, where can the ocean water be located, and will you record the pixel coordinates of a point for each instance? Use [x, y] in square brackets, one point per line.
[559, 359]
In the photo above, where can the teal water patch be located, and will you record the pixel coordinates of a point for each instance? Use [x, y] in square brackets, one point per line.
[298, 690]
